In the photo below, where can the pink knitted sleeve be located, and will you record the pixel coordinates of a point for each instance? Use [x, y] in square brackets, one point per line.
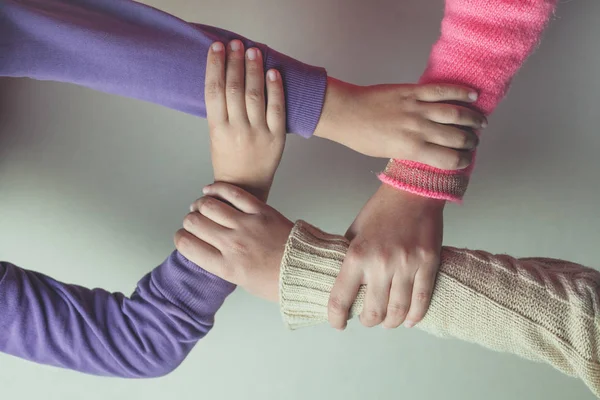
[483, 44]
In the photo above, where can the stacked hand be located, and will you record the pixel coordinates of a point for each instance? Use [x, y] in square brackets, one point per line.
[397, 236]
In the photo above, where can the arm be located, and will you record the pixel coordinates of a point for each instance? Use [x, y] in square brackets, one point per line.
[146, 335]
[541, 309]
[482, 45]
[130, 49]
[126, 48]
[397, 236]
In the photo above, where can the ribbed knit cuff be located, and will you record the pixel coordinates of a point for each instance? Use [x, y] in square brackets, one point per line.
[311, 262]
[426, 181]
[305, 87]
[189, 287]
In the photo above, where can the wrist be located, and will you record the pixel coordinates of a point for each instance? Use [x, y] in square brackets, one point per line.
[336, 94]
[257, 188]
[393, 195]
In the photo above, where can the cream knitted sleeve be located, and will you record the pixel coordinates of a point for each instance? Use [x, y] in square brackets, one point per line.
[538, 308]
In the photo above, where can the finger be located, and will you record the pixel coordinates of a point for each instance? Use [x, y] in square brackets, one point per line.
[255, 87]
[342, 296]
[234, 83]
[421, 295]
[237, 197]
[453, 114]
[442, 92]
[198, 252]
[448, 135]
[376, 302]
[399, 302]
[276, 115]
[217, 211]
[214, 84]
[204, 229]
[443, 157]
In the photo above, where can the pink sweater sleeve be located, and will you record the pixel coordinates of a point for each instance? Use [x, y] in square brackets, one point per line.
[483, 44]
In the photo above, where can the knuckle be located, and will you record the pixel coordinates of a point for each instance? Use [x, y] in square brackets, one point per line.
[181, 241]
[234, 86]
[190, 220]
[372, 317]
[214, 88]
[216, 64]
[397, 310]
[235, 192]
[422, 296]
[206, 204]
[439, 90]
[254, 95]
[382, 256]
[357, 252]
[402, 259]
[276, 109]
[254, 67]
[414, 123]
[239, 247]
[453, 114]
[427, 255]
[337, 306]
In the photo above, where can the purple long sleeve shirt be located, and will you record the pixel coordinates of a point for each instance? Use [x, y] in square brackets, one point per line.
[129, 49]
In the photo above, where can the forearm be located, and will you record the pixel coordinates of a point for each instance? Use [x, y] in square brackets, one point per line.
[541, 309]
[101, 333]
[483, 43]
[130, 49]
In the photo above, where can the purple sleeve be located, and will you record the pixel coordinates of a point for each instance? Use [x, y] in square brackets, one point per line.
[101, 333]
[130, 49]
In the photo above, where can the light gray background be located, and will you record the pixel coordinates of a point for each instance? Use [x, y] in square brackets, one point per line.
[94, 186]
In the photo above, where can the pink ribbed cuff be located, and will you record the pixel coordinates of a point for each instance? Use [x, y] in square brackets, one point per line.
[426, 181]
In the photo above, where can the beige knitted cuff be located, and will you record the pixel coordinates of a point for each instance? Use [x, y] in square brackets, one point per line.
[426, 181]
[310, 265]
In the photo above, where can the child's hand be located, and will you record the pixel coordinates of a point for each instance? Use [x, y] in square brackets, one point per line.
[247, 134]
[242, 243]
[395, 244]
[409, 122]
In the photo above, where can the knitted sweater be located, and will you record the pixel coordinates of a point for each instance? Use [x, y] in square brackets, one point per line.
[541, 309]
[483, 44]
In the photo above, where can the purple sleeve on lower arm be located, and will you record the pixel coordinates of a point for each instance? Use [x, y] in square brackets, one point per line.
[93, 331]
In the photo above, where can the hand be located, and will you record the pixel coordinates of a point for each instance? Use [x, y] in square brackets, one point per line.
[395, 245]
[242, 243]
[246, 139]
[408, 122]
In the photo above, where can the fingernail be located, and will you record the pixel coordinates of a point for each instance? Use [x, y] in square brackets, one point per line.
[236, 45]
[205, 189]
[216, 47]
[473, 96]
[409, 324]
[251, 53]
[191, 207]
[272, 75]
[484, 124]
